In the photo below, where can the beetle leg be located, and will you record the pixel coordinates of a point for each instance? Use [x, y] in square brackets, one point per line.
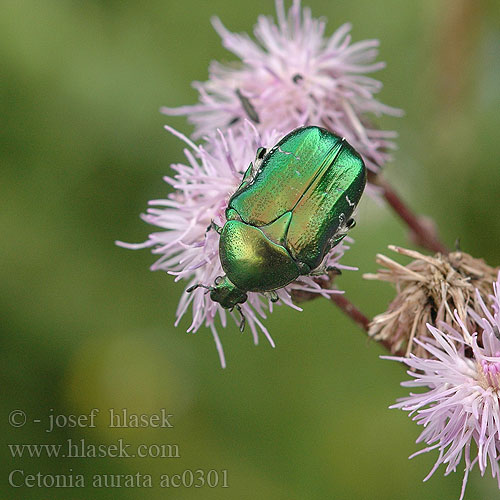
[259, 156]
[199, 285]
[304, 269]
[215, 227]
[272, 296]
[350, 223]
[322, 270]
[336, 240]
[333, 270]
[247, 173]
[243, 319]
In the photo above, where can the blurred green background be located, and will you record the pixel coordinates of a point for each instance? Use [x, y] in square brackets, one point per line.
[86, 325]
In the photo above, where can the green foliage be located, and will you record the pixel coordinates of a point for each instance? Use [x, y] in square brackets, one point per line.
[86, 325]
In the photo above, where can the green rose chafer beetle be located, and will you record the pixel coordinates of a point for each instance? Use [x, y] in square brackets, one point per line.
[292, 207]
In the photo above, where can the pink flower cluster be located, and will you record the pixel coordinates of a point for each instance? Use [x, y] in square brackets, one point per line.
[293, 75]
[189, 251]
[460, 405]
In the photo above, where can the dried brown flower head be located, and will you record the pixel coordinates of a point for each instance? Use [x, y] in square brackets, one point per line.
[429, 290]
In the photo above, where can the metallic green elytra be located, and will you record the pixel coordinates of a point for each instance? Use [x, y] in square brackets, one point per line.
[293, 205]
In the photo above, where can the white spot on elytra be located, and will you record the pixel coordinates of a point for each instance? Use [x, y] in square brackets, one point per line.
[288, 153]
[351, 204]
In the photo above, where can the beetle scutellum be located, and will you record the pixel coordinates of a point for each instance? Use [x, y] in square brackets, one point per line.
[292, 207]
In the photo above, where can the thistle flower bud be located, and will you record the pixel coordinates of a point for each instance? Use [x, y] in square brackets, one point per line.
[458, 381]
[429, 290]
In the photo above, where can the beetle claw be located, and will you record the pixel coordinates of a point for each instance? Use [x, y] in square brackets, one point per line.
[334, 270]
[350, 223]
[261, 152]
[243, 319]
[321, 271]
[215, 227]
[272, 296]
[199, 285]
[259, 158]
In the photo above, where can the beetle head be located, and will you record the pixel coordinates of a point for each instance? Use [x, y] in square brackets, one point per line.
[226, 293]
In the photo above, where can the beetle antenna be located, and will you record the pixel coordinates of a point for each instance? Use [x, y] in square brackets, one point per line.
[199, 285]
[243, 319]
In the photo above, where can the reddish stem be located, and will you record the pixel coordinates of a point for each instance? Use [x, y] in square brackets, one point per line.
[348, 308]
[424, 233]
[351, 310]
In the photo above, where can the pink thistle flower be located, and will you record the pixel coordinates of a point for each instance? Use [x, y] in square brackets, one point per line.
[460, 411]
[294, 75]
[190, 252]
